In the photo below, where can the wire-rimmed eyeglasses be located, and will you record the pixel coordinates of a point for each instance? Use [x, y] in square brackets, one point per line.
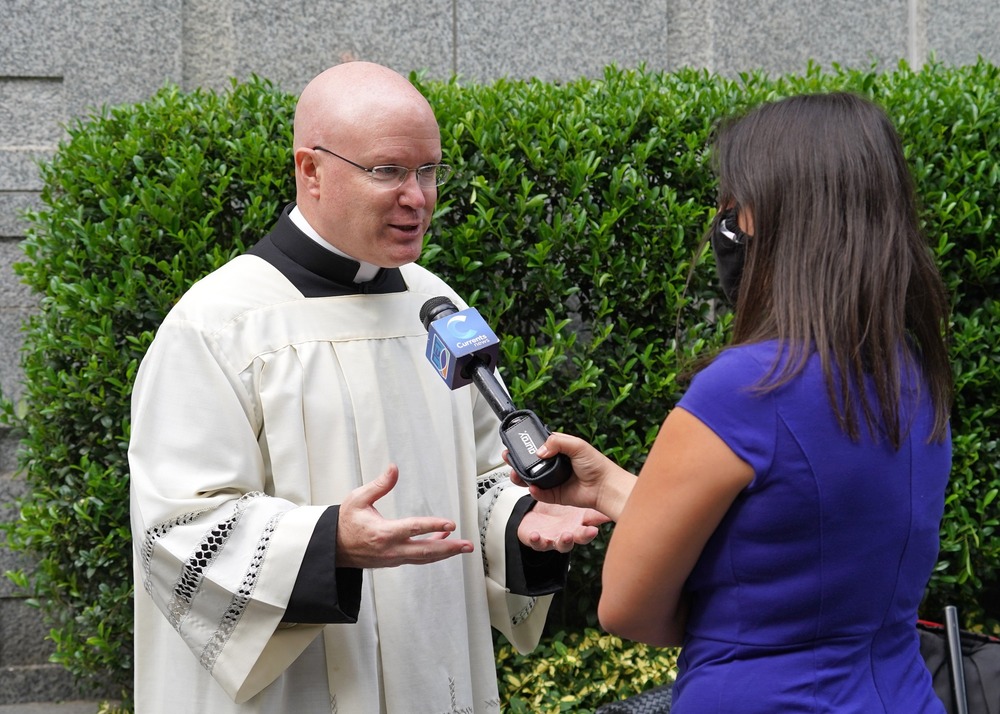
[390, 176]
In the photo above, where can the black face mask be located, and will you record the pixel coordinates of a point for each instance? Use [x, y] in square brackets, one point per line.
[729, 246]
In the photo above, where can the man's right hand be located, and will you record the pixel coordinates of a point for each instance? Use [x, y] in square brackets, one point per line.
[367, 540]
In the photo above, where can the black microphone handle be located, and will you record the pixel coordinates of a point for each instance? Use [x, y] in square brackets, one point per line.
[521, 431]
[496, 396]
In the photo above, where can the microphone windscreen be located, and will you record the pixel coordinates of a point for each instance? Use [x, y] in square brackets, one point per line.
[435, 308]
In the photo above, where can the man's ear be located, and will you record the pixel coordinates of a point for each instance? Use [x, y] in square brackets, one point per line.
[307, 170]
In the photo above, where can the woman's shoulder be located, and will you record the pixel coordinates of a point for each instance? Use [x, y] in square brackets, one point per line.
[750, 361]
[724, 397]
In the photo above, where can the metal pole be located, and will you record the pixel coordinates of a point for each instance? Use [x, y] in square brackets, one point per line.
[955, 660]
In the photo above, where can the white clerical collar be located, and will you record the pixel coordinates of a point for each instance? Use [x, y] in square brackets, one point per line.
[366, 271]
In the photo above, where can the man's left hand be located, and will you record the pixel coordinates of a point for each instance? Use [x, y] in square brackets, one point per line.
[549, 526]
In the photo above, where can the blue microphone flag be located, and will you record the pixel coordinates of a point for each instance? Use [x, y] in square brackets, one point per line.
[453, 341]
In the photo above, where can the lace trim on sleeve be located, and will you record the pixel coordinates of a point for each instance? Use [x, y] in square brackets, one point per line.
[524, 613]
[489, 486]
[241, 599]
[193, 573]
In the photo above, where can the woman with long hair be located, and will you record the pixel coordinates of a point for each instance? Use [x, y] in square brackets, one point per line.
[785, 523]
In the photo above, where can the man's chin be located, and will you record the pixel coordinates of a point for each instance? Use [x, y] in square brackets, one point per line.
[402, 255]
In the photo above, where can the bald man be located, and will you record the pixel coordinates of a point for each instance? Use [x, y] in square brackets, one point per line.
[291, 447]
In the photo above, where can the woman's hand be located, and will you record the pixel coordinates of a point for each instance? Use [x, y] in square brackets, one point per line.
[597, 482]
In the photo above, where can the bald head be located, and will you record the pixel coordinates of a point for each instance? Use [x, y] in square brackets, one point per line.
[350, 118]
[354, 97]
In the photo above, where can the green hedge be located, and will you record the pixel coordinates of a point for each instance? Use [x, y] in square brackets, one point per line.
[571, 223]
[579, 671]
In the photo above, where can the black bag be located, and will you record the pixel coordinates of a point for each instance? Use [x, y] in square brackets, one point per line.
[652, 701]
[980, 665]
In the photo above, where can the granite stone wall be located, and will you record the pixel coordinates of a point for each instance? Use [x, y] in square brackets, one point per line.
[59, 60]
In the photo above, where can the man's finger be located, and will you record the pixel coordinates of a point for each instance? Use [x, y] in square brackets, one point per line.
[431, 550]
[427, 525]
[371, 492]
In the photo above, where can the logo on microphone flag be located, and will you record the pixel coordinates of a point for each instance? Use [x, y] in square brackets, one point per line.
[460, 327]
[455, 340]
[439, 356]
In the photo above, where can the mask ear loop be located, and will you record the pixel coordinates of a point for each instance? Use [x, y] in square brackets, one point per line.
[730, 228]
[719, 219]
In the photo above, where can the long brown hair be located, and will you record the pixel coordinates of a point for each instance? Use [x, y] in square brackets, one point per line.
[837, 261]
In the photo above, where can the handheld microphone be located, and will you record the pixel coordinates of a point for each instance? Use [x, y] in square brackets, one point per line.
[462, 348]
